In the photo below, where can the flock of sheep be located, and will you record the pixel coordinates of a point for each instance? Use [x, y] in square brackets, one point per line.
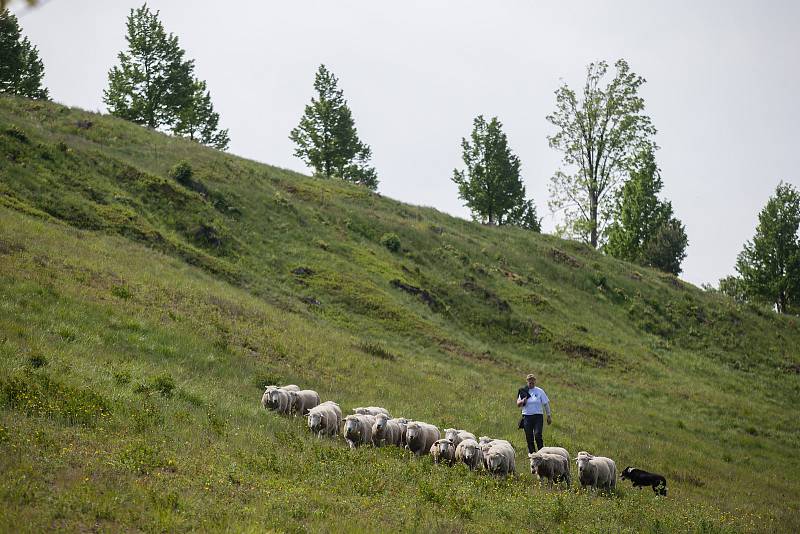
[375, 426]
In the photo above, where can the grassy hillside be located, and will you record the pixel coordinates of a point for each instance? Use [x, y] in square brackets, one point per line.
[141, 314]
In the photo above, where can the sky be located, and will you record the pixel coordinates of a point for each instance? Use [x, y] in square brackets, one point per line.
[722, 88]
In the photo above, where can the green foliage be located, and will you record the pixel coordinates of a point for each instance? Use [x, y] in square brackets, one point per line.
[769, 265]
[182, 173]
[153, 80]
[327, 139]
[599, 134]
[491, 185]
[155, 86]
[16, 133]
[666, 249]
[643, 229]
[733, 287]
[198, 121]
[391, 241]
[162, 384]
[525, 217]
[40, 396]
[21, 70]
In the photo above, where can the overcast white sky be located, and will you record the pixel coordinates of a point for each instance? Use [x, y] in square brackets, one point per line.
[722, 88]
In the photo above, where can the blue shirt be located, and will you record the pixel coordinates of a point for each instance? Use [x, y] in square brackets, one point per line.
[536, 401]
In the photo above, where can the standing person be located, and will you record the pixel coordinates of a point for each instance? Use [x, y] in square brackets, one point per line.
[534, 403]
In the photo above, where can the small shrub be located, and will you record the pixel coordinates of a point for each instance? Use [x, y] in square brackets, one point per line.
[182, 173]
[122, 377]
[121, 292]
[141, 459]
[208, 234]
[391, 241]
[17, 133]
[164, 384]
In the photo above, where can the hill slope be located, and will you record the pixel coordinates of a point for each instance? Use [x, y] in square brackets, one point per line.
[142, 313]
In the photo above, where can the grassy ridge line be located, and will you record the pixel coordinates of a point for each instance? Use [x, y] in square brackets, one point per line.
[637, 363]
[206, 456]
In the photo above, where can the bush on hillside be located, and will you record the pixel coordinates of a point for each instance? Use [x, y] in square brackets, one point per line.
[391, 241]
[182, 173]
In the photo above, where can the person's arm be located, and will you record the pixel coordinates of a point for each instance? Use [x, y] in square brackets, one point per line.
[521, 401]
[546, 407]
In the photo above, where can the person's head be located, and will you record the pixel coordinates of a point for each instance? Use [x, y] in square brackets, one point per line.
[531, 379]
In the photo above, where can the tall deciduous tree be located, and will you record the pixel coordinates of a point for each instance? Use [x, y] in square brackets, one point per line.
[643, 229]
[153, 80]
[198, 121]
[599, 133]
[21, 70]
[326, 138]
[491, 185]
[769, 265]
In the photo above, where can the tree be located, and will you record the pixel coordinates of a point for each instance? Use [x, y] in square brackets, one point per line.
[153, 81]
[643, 229]
[666, 248]
[769, 265]
[198, 121]
[491, 184]
[599, 134]
[525, 217]
[155, 86]
[21, 70]
[732, 286]
[327, 139]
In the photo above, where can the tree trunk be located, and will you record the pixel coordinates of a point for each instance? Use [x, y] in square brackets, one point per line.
[593, 215]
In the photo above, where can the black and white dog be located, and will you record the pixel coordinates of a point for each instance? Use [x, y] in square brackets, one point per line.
[642, 478]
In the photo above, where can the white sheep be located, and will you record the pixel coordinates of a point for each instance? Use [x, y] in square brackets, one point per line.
[371, 410]
[420, 436]
[325, 419]
[358, 429]
[266, 401]
[596, 471]
[386, 431]
[457, 436]
[279, 400]
[402, 422]
[500, 458]
[302, 401]
[553, 467]
[443, 452]
[561, 451]
[470, 453]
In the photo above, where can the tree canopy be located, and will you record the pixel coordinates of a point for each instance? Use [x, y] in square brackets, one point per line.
[21, 70]
[643, 229]
[491, 185]
[154, 85]
[326, 138]
[769, 265]
[599, 134]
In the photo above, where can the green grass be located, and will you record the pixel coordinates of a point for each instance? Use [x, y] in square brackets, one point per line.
[140, 318]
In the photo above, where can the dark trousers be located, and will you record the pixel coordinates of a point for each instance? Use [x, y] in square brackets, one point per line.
[533, 425]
